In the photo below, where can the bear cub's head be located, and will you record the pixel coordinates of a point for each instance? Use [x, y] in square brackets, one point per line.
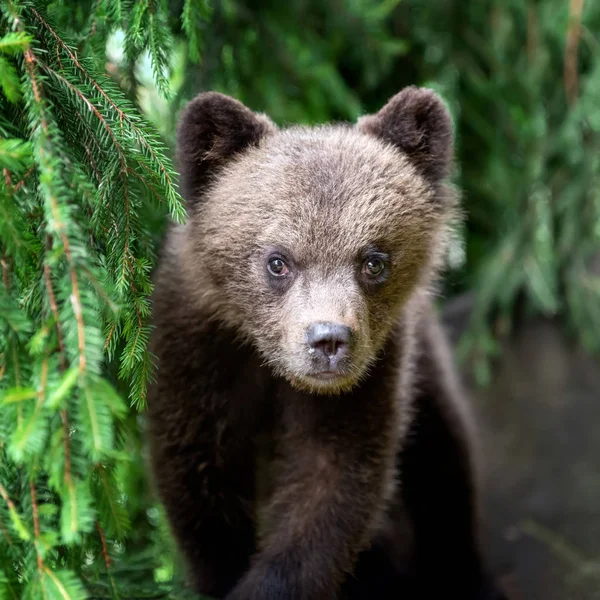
[309, 241]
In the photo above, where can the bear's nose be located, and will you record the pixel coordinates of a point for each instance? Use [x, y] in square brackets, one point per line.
[329, 340]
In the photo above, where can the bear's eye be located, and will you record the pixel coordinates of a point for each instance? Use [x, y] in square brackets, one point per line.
[277, 267]
[374, 266]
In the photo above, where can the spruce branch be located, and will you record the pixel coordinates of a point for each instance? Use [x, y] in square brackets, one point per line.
[54, 307]
[92, 108]
[107, 560]
[194, 13]
[5, 271]
[14, 42]
[68, 478]
[9, 502]
[75, 296]
[123, 118]
[22, 181]
[14, 515]
[36, 529]
[6, 534]
[53, 201]
[81, 173]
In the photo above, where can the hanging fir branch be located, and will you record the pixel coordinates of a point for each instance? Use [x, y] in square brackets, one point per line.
[81, 172]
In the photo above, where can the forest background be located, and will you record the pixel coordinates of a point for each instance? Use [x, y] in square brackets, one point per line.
[89, 98]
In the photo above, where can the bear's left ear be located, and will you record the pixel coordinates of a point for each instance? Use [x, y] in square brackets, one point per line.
[213, 129]
[417, 122]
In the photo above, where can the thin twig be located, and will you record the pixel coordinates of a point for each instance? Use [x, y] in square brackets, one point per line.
[68, 475]
[92, 161]
[19, 184]
[43, 383]
[36, 527]
[17, 382]
[6, 534]
[146, 183]
[67, 449]
[29, 61]
[5, 279]
[54, 307]
[109, 336]
[571, 46]
[75, 296]
[7, 179]
[22, 181]
[9, 502]
[107, 559]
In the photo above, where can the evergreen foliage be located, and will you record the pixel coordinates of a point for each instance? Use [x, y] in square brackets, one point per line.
[89, 94]
[83, 176]
[524, 79]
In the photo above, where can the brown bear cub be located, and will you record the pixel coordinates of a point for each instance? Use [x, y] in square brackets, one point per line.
[307, 432]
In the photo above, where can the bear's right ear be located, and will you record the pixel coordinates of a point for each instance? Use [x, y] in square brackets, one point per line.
[212, 129]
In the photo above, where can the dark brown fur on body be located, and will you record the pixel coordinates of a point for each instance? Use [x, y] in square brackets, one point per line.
[287, 462]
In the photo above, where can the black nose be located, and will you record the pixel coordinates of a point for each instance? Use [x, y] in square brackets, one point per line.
[330, 340]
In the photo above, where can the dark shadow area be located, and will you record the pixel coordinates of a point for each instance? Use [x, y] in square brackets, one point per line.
[540, 424]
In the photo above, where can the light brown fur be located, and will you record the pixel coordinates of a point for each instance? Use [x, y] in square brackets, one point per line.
[328, 193]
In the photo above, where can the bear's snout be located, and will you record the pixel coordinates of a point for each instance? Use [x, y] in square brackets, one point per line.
[329, 345]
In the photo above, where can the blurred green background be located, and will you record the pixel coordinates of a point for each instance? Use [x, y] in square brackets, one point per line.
[522, 79]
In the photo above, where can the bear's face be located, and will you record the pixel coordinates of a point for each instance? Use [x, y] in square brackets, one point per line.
[311, 240]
